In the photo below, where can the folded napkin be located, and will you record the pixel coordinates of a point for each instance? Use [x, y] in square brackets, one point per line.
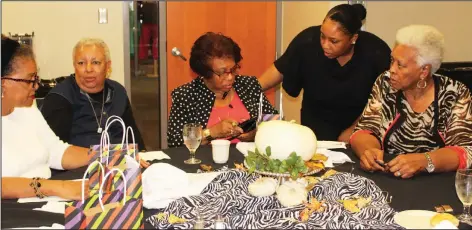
[244, 147]
[54, 226]
[164, 183]
[53, 206]
[153, 155]
[330, 145]
[334, 157]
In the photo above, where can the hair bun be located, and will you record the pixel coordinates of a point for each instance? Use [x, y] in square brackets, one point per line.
[360, 10]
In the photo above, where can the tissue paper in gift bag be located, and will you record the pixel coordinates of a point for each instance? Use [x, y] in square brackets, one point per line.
[119, 211]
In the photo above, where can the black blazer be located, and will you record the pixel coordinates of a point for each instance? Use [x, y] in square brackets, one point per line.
[193, 102]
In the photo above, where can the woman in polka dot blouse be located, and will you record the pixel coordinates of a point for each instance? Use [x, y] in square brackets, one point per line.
[219, 98]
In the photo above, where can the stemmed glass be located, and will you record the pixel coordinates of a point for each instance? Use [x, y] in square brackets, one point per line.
[192, 133]
[464, 192]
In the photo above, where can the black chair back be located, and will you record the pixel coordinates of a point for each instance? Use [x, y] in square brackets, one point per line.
[460, 71]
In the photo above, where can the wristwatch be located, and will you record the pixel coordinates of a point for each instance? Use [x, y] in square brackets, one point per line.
[430, 166]
[207, 134]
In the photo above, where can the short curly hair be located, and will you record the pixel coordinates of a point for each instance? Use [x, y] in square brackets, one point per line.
[212, 45]
[428, 42]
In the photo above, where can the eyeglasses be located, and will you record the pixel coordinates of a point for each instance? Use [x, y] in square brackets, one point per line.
[232, 71]
[35, 81]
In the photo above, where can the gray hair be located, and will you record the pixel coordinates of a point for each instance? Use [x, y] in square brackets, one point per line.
[428, 42]
[92, 42]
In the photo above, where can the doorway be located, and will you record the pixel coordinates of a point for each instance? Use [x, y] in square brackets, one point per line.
[144, 68]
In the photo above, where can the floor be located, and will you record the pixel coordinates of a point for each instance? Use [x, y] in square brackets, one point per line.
[145, 103]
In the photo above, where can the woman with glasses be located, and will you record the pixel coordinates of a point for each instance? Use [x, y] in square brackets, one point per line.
[29, 147]
[219, 98]
[336, 65]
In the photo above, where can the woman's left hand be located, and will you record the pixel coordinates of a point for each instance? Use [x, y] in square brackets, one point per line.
[144, 163]
[407, 165]
[248, 137]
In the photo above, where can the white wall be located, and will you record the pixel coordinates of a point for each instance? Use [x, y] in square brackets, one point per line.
[59, 25]
[452, 18]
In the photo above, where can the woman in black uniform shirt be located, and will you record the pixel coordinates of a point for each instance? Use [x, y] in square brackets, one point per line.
[336, 64]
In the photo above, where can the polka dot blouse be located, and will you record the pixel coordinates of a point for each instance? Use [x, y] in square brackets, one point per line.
[192, 103]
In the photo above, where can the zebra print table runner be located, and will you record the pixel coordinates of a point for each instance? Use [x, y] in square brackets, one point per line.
[228, 196]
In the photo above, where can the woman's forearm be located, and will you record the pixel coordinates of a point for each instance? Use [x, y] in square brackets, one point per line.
[270, 78]
[363, 141]
[75, 157]
[444, 160]
[18, 187]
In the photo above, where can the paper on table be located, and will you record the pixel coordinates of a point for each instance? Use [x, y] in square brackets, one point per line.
[54, 226]
[153, 155]
[244, 147]
[334, 157]
[45, 199]
[53, 206]
[330, 145]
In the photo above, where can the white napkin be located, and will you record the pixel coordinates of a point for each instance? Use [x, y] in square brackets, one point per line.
[54, 226]
[330, 145]
[153, 155]
[164, 183]
[334, 157]
[53, 206]
[244, 147]
[445, 224]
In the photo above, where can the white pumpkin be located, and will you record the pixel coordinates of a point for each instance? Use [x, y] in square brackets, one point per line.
[291, 193]
[285, 137]
[264, 186]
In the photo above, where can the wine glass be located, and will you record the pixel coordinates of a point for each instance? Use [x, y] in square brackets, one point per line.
[192, 138]
[464, 192]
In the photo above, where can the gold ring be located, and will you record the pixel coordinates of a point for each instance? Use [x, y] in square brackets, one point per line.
[234, 123]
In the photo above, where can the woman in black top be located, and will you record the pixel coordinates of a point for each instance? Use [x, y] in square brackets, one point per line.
[336, 64]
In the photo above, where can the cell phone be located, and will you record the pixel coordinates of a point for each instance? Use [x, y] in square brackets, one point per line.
[248, 125]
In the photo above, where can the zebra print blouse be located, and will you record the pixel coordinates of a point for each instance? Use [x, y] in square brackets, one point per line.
[447, 122]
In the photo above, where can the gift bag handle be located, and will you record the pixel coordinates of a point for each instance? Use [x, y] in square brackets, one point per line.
[104, 141]
[85, 174]
[134, 140]
[100, 191]
[110, 121]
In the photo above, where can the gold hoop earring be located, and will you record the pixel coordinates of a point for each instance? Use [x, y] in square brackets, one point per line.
[421, 86]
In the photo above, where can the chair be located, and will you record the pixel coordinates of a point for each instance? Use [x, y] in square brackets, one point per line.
[460, 71]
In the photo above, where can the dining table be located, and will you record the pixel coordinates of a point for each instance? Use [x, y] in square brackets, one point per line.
[424, 191]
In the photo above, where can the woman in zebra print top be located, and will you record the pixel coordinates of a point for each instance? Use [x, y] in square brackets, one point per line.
[423, 118]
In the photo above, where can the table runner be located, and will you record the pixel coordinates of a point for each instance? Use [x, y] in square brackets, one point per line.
[228, 196]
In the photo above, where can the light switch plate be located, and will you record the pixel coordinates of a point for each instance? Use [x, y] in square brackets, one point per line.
[102, 15]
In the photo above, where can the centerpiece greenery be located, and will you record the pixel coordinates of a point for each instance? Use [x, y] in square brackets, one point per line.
[293, 165]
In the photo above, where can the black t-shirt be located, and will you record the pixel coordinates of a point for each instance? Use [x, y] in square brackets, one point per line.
[334, 95]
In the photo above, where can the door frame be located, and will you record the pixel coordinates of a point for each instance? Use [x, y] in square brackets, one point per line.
[163, 64]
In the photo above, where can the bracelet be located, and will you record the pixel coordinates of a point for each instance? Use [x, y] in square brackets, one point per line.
[36, 185]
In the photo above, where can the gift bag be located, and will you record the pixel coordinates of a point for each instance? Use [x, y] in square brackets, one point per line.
[111, 154]
[107, 210]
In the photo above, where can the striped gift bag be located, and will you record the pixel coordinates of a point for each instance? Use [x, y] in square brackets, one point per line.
[122, 156]
[107, 210]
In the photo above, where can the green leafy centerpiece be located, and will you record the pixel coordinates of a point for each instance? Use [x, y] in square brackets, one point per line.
[293, 165]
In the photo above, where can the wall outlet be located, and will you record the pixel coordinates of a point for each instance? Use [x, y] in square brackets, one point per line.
[102, 15]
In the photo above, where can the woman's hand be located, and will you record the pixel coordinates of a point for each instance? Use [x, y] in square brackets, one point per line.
[144, 163]
[226, 128]
[369, 158]
[248, 137]
[407, 165]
